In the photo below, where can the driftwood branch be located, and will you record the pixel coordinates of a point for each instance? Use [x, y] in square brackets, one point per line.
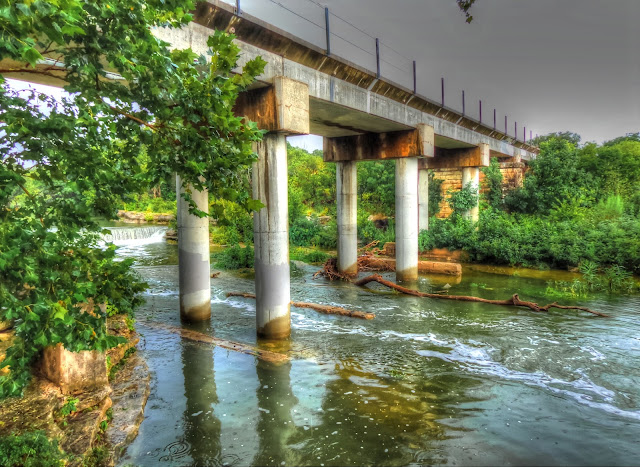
[196, 336]
[513, 301]
[326, 309]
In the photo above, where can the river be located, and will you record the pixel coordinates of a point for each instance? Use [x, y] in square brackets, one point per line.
[425, 382]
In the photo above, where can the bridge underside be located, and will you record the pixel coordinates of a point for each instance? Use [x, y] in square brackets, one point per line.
[361, 117]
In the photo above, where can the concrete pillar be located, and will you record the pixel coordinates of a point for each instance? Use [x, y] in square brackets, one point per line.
[471, 175]
[407, 219]
[193, 257]
[271, 238]
[347, 216]
[423, 199]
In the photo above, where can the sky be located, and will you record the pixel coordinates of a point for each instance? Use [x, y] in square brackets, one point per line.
[550, 65]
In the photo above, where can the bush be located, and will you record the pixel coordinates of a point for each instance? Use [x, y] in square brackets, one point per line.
[310, 232]
[463, 200]
[308, 256]
[453, 233]
[234, 257]
[529, 240]
[435, 194]
[31, 449]
[493, 183]
[368, 232]
[234, 224]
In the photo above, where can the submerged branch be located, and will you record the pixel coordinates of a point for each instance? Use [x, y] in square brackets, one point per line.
[513, 301]
[326, 309]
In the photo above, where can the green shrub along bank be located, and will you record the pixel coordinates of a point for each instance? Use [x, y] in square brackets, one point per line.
[234, 257]
[147, 202]
[578, 205]
[528, 240]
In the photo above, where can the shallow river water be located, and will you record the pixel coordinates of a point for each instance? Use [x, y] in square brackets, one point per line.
[425, 382]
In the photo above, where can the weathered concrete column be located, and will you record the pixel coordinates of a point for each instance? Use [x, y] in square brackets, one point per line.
[471, 175]
[423, 199]
[407, 219]
[347, 212]
[281, 109]
[193, 257]
[271, 238]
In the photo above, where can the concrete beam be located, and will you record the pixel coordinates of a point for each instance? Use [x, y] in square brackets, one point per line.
[282, 107]
[453, 158]
[378, 146]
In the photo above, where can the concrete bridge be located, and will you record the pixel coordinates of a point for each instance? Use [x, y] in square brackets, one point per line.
[361, 116]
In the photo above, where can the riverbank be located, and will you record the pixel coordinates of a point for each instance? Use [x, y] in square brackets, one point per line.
[91, 426]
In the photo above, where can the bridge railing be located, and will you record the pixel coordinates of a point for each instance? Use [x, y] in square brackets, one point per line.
[312, 22]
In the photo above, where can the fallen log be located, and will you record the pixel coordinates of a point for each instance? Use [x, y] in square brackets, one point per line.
[513, 301]
[326, 309]
[273, 357]
[376, 263]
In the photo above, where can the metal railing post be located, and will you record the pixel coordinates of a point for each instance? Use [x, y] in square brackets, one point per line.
[463, 102]
[415, 82]
[377, 58]
[328, 30]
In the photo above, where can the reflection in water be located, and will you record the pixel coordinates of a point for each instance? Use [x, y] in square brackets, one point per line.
[275, 422]
[426, 382]
[201, 425]
[366, 417]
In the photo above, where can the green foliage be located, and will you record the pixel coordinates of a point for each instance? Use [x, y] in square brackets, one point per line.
[31, 449]
[465, 6]
[109, 138]
[568, 136]
[368, 232]
[454, 233]
[435, 194]
[616, 166]
[98, 457]
[234, 257]
[308, 255]
[377, 187]
[310, 232]
[144, 202]
[493, 183]
[554, 177]
[519, 239]
[611, 279]
[312, 184]
[610, 208]
[463, 200]
[69, 407]
[235, 224]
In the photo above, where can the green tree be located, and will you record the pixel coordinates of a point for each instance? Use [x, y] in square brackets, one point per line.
[573, 138]
[377, 186]
[493, 183]
[130, 95]
[555, 179]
